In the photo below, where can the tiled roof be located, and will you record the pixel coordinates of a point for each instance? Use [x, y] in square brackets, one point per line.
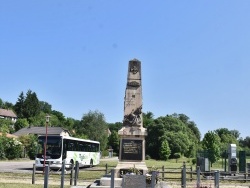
[7, 113]
[40, 131]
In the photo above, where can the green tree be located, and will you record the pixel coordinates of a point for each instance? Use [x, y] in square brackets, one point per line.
[21, 123]
[211, 143]
[226, 137]
[19, 106]
[45, 107]
[30, 145]
[113, 141]
[31, 105]
[165, 150]
[1, 103]
[148, 119]
[115, 126]
[94, 126]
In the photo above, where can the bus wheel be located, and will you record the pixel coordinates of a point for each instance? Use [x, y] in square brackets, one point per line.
[91, 163]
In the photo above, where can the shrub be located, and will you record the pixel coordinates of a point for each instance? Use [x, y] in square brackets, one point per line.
[147, 157]
[12, 148]
[30, 144]
[177, 156]
[194, 161]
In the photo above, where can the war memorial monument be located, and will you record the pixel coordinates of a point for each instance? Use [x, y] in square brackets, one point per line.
[132, 134]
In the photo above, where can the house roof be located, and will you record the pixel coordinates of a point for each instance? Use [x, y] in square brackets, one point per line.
[41, 131]
[7, 113]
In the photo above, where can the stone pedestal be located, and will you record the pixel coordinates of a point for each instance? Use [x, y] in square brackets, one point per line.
[132, 150]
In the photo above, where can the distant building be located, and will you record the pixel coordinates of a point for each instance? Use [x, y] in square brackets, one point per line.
[8, 114]
[42, 131]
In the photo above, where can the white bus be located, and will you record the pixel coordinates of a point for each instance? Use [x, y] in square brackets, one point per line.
[58, 148]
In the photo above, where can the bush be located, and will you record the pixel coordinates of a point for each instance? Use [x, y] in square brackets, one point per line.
[30, 144]
[177, 156]
[10, 148]
[147, 157]
[194, 161]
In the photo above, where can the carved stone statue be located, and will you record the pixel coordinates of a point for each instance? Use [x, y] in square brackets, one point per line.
[133, 96]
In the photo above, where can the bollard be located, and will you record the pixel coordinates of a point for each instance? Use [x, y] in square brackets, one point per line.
[163, 173]
[191, 174]
[153, 179]
[62, 174]
[112, 178]
[71, 174]
[76, 172]
[33, 174]
[106, 171]
[46, 177]
[183, 176]
[216, 179]
[198, 172]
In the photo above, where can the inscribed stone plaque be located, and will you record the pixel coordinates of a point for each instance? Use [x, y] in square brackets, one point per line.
[131, 149]
[130, 181]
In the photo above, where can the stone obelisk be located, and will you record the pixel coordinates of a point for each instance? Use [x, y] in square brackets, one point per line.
[132, 134]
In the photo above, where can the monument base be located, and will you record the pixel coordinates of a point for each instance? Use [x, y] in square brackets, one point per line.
[124, 166]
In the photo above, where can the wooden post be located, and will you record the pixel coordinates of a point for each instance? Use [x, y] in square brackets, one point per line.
[163, 173]
[106, 171]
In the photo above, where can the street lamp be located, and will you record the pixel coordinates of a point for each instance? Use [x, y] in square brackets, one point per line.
[45, 143]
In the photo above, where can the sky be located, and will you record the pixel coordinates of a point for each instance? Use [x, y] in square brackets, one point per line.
[74, 55]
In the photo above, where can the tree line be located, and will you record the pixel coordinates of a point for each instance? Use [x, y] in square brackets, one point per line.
[169, 136]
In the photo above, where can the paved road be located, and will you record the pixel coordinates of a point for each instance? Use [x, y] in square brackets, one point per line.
[26, 166]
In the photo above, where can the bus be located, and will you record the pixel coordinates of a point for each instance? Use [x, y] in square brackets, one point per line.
[70, 149]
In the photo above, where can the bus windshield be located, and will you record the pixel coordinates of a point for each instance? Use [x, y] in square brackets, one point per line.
[53, 147]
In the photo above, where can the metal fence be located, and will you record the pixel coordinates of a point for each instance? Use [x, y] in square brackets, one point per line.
[183, 175]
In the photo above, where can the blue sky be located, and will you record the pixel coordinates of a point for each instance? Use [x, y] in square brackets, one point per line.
[74, 55]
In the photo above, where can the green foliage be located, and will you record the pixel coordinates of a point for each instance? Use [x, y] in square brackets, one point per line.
[21, 123]
[194, 161]
[113, 141]
[165, 150]
[115, 126]
[30, 144]
[177, 156]
[31, 105]
[176, 130]
[45, 107]
[93, 125]
[148, 119]
[5, 125]
[10, 148]
[211, 142]
[19, 106]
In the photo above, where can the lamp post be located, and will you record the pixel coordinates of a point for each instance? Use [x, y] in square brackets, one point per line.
[45, 143]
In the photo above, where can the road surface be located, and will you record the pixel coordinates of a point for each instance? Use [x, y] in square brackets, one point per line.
[26, 166]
